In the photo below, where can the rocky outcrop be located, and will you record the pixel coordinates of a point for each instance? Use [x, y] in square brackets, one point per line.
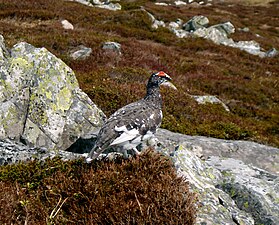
[237, 181]
[251, 153]
[215, 206]
[42, 106]
[11, 152]
[198, 26]
[97, 3]
[41, 103]
[229, 191]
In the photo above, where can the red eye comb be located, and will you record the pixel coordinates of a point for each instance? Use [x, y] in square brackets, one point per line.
[161, 74]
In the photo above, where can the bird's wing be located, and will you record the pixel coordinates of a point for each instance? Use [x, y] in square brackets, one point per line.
[128, 123]
[126, 135]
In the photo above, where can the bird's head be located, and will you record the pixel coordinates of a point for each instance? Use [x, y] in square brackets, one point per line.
[160, 78]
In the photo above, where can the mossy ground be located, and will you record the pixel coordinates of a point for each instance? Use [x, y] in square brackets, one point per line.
[246, 83]
[142, 190]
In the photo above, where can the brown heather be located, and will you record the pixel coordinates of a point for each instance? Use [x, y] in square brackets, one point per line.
[142, 190]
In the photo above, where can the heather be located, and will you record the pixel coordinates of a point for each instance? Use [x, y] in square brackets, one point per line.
[142, 190]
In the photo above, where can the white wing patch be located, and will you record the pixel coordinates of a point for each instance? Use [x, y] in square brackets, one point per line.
[127, 135]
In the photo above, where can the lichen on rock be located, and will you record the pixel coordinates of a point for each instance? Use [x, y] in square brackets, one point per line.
[41, 101]
[215, 206]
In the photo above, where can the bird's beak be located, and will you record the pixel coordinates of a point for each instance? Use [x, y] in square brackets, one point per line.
[167, 79]
[169, 84]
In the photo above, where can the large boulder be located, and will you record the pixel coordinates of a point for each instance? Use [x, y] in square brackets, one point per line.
[215, 206]
[236, 181]
[254, 190]
[229, 191]
[41, 103]
[215, 34]
[251, 153]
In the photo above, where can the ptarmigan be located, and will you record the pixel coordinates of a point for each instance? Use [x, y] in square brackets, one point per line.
[135, 123]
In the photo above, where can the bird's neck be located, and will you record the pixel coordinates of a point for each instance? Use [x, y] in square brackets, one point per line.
[153, 95]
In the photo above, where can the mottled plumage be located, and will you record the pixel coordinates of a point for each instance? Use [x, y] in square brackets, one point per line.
[134, 123]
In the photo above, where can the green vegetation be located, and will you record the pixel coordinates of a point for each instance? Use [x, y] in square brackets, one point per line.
[246, 83]
[142, 190]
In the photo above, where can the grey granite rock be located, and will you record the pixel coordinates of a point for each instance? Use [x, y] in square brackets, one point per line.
[251, 153]
[97, 3]
[80, 52]
[198, 26]
[204, 99]
[196, 23]
[112, 46]
[67, 25]
[11, 152]
[215, 206]
[226, 28]
[41, 103]
[254, 190]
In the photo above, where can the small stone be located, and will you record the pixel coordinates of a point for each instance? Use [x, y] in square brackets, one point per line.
[209, 99]
[112, 46]
[251, 47]
[81, 52]
[244, 29]
[179, 2]
[67, 25]
[161, 3]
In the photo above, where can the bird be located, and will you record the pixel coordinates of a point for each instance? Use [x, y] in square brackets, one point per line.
[135, 123]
